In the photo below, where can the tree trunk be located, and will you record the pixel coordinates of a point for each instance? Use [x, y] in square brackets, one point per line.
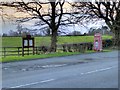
[54, 29]
[116, 25]
[117, 37]
[53, 47]
[115, 28]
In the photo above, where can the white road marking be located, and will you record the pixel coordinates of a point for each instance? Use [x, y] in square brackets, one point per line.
[46, 66]
[99, 70]
[47, 80]
[33, 83]
[82, 73]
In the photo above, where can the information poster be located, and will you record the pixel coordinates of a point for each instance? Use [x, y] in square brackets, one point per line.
[25, 43]
[30, 43]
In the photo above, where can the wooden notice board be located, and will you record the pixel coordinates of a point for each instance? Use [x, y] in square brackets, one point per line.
[27, 42]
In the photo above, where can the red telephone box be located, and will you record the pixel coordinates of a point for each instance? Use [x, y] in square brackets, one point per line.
[97, 42]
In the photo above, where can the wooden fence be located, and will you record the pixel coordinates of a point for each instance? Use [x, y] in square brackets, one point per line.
[14, 51]
[75, 47]
[18, 51]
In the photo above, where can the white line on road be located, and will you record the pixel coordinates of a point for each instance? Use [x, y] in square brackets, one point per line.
[44, 81]
[46, 66]
[47, 80]
[33, 83]
[98, 70]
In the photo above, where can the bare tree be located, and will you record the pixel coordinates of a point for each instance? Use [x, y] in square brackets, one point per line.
[109, 11]
[51, 17]
[19, 29]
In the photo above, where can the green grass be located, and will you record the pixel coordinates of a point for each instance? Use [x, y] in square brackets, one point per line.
[41, 56]
[16, 41]
[39, 41]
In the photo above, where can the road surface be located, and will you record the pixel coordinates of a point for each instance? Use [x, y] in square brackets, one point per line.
[97, 70]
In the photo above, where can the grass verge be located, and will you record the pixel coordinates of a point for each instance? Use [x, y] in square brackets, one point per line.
[41, 56]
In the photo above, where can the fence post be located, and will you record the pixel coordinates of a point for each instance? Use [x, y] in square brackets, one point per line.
[22, 51]
[28, 50]
[4, 52]
[33, 50]
[18, 51]
[36, 50]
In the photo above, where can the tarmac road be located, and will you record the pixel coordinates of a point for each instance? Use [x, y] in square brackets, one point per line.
[97, 70]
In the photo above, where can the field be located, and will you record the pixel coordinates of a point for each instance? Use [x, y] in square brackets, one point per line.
[39, 41]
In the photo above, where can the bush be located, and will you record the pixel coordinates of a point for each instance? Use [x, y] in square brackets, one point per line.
[107, 43]
[42, 49]
[77, 47]
[89, 46]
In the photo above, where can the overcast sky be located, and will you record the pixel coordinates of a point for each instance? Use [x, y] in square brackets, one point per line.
[11, 24]
[7, 26]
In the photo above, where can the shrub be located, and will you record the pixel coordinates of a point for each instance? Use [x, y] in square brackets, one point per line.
[42, 49]
[107, 43]
[77, 47]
